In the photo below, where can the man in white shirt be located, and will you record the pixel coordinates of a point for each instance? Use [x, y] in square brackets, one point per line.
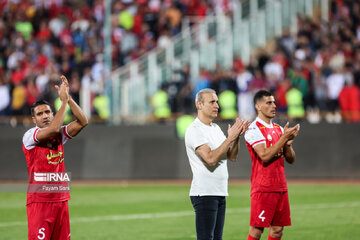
[208, 150]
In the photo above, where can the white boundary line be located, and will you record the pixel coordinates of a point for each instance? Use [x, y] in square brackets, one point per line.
[186, 213]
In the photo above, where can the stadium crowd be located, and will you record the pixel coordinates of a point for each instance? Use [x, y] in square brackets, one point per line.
[41, 39]
[314, 74]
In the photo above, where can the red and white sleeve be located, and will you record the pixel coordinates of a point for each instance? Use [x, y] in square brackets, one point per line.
[65, 135]
[253, 136]
[29, 139]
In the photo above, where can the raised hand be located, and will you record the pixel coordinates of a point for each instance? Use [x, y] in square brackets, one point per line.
[245, 127]
[291, 133]
[63, 90]
[237, 129]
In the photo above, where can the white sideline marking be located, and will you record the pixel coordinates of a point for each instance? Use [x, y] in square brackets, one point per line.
[185, 213]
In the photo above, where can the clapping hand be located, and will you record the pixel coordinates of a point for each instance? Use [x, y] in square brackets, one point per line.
[237, 129]
[291, 133]
[63, 90]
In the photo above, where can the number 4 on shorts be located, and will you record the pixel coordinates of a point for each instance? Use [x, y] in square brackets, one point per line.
[261, 216]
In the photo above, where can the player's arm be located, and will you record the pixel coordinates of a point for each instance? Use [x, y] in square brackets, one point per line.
[80, 122]
[58, 120]
[233, 151]
[267, 153]
[289, 152]
[212, 157]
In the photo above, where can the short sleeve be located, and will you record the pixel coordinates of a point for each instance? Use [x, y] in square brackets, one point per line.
[65, 134]
[194, 138]
[282, 129]
[29, 138]
[253, 136]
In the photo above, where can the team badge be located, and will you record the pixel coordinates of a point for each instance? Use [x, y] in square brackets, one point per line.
[269, 138]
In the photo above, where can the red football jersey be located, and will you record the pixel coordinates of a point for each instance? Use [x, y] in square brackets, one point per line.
[270, 176]
[45, 157]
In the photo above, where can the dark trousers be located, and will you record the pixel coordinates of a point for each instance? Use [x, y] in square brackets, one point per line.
[209, 216]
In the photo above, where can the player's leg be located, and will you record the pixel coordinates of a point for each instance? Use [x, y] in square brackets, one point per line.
[262, 211]
[255, 233]
[220, 218]
[62, 224]
[281, 217]
[205, 216]
[40, 221]
[275, 232]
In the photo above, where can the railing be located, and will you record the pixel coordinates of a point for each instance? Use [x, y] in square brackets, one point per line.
[203, 43]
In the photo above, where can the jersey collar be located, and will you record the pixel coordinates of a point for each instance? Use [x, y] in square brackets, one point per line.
[200, 122]
[264, 123]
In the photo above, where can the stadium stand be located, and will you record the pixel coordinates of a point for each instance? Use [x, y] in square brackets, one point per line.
[42, 39]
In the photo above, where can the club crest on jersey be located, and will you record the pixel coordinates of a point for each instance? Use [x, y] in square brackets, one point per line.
[269, 138]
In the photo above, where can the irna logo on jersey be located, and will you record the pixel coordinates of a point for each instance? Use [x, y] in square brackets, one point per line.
[49, 182]
[51, 177]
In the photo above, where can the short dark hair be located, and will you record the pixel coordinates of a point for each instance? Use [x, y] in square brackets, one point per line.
[38, 103]
[260, 94]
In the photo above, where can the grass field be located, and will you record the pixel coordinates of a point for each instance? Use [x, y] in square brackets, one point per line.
[163, 211]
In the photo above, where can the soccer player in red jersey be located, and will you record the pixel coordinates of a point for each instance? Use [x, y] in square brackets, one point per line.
[47, 208]
[268, 144]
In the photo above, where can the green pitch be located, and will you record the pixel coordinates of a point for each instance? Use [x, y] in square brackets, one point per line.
[155, 212]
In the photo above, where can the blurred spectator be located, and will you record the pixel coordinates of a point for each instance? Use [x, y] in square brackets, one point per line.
[164, 40]
[18, 104]
[298, 81]
[182, 123]
[258, 82]
[32, 92]
[274, 72]
[202, 82]
[335, 83]
[161, 108]
[98, 74]
[57, 105]
[42, 80]
[287, 42]
[227, 104]
[75, 86]
[244, 80]
[184, 96]
[24, 26]
[173, 19]
[280, 95]
[349, 101]
[295, 104]
[102, 106]
[128, 42]
[357, 72]
[223, 79]
[5, 98]
[50, 93]
[57, 24]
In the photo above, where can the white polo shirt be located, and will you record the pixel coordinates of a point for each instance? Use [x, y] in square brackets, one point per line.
[207, 180]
